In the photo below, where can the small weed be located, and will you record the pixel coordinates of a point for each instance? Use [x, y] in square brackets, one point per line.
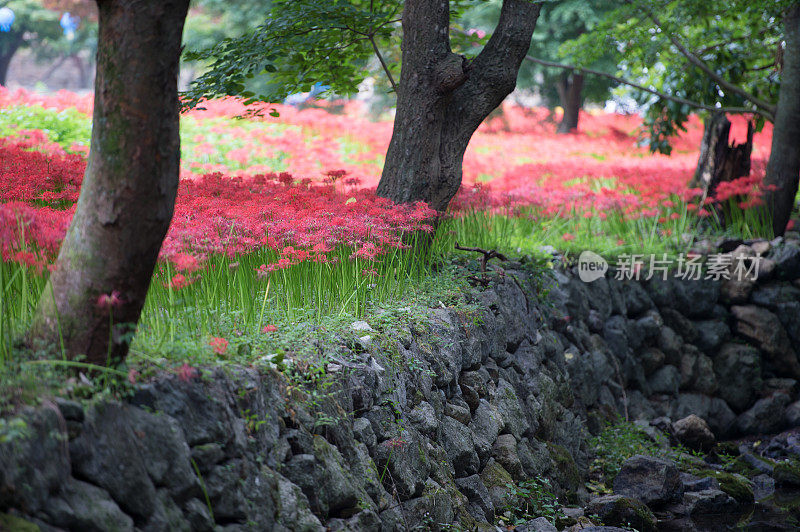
[528, 500]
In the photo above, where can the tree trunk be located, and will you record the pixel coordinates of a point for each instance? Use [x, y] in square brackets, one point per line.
[783, 168]
[720, 161]
[7, 51]
[442, 98]
[570, 91]
[128, 193]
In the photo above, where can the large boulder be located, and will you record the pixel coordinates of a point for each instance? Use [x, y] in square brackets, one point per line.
[738, 369]
[765, 329]
[650, 480]
[693, 432]
[787, 262]
[765, 417]
[618, 510]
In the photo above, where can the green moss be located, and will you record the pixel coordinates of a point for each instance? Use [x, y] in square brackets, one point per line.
[12, 522]
[495, 476]
[734, 484]
[787, 473]
[564, 465]
[645, 520]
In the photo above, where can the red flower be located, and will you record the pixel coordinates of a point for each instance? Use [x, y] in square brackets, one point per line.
[108, 301]
[218, 345]
[186, 372]
[269, 328]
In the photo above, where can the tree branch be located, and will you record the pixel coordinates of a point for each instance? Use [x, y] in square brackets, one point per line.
[734, 110]
[383, 63]
[702, 65]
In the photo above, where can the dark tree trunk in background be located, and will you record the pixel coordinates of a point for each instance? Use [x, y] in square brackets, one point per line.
[128, 193]
[442, 98]
[9, 44]
[570, 92]
[783, 169]
[720, 161]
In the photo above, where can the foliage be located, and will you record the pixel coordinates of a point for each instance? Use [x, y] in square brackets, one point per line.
[528, 500]
[560, 21]
[301, 42]
[738, 41]
[616, 443]
[66, 127]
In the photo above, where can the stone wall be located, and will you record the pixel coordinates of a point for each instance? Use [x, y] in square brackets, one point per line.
[423, 427]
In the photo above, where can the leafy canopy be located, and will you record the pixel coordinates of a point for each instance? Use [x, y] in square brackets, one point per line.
[736, 40]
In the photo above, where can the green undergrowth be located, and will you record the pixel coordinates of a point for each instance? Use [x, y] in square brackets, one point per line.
[300, 345]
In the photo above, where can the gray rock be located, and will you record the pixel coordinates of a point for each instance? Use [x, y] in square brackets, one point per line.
[715, 411]
[485, 427]
[434, 508]
[671, 345]
[711, 334]
[650, 480]
[765, 417]
[738, 369]
[693, 483]
[665, 380]
[295, 511]
[773, 295]
[736, 291]
[787, 262]
[763, 486]
[480, 501]
[637, 300]
[792, 415]
[198, 516]
[407, 462]
[622, 511]
[540, 524]
[109, 454]
[505, 452]
[615, 333]
[457, 412]
[513, 419]
[765, 329]
[693, 432]
[709, 502]
[651, 359]
[33, 464]
[696, 298]
[362, 431]
[459, 444]
[650, 324]
[423, 417]
[81, 506]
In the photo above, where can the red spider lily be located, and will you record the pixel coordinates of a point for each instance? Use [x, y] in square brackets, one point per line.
[395, 443]
[178, 282]
[107, 302]
[186, 372]
[269, 328]
[218, 345]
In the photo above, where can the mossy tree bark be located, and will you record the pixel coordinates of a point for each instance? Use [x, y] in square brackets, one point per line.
[442, 97]
[128, 193]
[783, 168]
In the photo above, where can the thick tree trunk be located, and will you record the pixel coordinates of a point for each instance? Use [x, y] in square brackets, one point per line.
[720, 161]
[442, 98]
[783, 168]
[570, 92]
[128, 194]
[10, 44]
